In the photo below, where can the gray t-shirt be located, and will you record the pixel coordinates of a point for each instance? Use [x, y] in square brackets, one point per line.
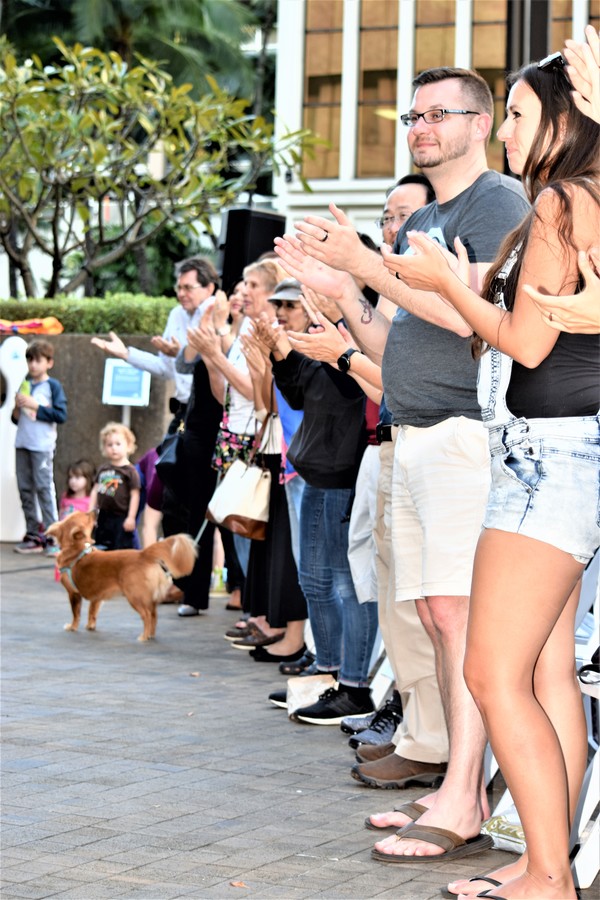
[428, 372]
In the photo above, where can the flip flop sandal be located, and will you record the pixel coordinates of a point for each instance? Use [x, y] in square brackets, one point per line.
[497, 897]
[412, 810]
[453, 845]
[451, 896]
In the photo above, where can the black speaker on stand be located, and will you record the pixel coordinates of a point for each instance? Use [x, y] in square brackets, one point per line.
[245, 235]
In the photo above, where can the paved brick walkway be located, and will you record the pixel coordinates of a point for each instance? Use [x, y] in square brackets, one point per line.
[159, 770]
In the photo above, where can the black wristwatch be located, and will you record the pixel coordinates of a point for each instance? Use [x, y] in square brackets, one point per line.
[343, 362]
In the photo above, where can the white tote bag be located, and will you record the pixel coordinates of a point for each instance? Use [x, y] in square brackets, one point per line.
[241, 500]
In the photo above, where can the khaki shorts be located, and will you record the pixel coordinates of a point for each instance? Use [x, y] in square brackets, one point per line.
[440, 486]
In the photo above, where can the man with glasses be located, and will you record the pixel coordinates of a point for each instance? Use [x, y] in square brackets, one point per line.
[441, 462]
[196, 281]
[408, 194]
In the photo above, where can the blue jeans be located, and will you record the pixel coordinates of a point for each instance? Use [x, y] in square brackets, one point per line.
[242, 548]
[294, 489]
[344, 629]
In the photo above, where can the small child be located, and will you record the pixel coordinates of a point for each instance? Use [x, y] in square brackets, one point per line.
[40, 405]
[116, 491]
[76, 498]
[80, 480]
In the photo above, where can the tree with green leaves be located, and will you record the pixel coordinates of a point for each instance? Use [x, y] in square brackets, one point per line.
[191, 38]
[81, 135]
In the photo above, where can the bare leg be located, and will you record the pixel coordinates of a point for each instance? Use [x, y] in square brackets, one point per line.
[293, 639]
[520, 589]
[457, 805]
[556, 688]
[261, 622]
[150, 526]
[235, 599]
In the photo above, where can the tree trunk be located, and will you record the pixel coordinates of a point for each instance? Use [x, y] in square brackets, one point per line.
[266, 28]
[145, 275]
[13, 285]
[89, 287]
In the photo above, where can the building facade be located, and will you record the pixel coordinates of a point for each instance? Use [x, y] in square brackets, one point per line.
[345, 67]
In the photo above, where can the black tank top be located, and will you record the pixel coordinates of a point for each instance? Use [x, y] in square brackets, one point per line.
[566, 383]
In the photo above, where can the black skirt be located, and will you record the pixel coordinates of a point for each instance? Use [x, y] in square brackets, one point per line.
[272, 586]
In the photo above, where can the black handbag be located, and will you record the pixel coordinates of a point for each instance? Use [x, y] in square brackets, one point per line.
[168, 464]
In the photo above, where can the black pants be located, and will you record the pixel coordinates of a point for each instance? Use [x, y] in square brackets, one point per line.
[110, 533]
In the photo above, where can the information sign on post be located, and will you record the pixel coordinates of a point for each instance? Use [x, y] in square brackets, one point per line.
[125, 386]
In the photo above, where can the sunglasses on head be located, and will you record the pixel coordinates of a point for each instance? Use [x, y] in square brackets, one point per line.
[555, 61]
[287, 304]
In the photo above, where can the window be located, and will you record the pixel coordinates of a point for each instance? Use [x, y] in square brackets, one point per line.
[323, 84]
[489, 59]
[377, 111]
[561, 23]
[434, 34]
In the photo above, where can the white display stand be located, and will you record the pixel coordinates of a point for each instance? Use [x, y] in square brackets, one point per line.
[13, 366]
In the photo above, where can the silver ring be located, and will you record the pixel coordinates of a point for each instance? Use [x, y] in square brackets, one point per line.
[323, 239]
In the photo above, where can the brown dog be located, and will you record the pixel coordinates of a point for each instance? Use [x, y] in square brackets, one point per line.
[143, 577]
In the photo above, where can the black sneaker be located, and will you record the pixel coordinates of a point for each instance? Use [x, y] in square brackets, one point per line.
[384, 724]
[333, 705]
[279, 698]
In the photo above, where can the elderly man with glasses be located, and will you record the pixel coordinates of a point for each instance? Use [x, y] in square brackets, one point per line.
[196, 281]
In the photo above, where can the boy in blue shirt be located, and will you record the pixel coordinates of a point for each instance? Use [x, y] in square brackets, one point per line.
[40, 405]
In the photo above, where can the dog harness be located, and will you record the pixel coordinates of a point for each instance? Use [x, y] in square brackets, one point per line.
[164, 568]
[87, 549]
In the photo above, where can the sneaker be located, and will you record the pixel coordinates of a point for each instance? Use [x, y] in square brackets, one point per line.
[186, 610]
[335, 704]
[279, 698]
[29, 546]
[384, 724]
[354, 724]
[51, 549]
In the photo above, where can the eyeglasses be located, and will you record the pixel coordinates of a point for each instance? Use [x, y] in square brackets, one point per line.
[287, 304]
[186, 288]
[384, 221]
[434, 116]
[554, 62]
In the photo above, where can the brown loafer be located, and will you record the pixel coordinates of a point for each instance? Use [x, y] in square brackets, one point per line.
[236, 634]
[394, 771]
[371, 752]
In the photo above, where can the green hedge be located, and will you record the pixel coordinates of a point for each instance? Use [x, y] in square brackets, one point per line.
[123, 313]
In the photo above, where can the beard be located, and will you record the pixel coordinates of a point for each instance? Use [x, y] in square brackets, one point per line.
[431, 157]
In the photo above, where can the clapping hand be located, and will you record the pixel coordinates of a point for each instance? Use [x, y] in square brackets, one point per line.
[170, 346]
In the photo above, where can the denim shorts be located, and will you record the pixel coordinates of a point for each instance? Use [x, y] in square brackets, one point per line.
[546, 482]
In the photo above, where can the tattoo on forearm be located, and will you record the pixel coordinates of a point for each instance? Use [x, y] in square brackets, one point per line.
[367, 311]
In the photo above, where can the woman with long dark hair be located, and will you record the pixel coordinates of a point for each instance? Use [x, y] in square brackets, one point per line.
[539, 395]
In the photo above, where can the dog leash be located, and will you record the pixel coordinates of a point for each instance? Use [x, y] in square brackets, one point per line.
[87, 549]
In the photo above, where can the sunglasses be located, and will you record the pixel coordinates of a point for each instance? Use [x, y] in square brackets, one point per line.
[554, 62]
[287, 304]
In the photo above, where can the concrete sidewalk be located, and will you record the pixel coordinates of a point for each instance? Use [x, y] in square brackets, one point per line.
[160, 770]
